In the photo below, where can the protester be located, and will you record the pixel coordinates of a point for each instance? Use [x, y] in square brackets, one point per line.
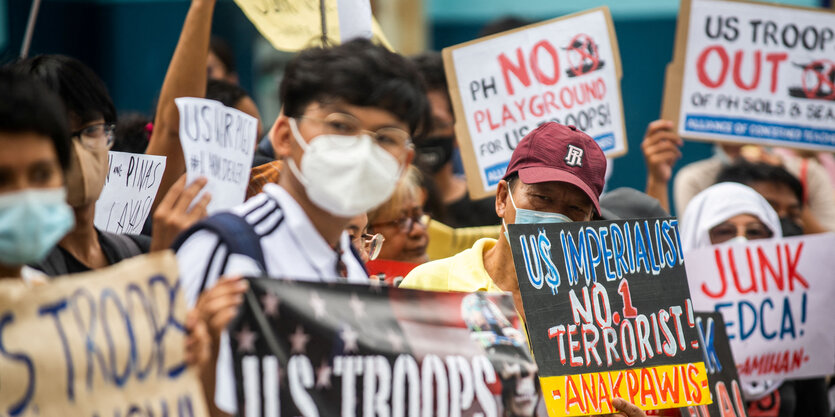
[732, 212]
[344, 136]
[34, 214]
[780, 188]
[220, 63]
[232, 95]
[91, 117]
[539, 186]
[186, 77]
[820, 199]
[402, 222]
[661, 151]
[629, 203]
[133, 131]
[434, 154]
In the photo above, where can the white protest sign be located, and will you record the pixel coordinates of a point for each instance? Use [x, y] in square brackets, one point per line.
[129, 191]
[218, 143]
[354, 19]
[753, 73]
[776, 298]
[565, 70]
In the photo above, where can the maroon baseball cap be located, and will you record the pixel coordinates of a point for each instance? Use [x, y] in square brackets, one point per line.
[555, 152]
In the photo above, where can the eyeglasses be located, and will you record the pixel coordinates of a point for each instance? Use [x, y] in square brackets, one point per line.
[96, 137]
[405, 223]
[727, 231]
[373, 244]
[392, 139]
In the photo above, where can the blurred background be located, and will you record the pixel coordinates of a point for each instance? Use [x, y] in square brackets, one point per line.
[129, 44]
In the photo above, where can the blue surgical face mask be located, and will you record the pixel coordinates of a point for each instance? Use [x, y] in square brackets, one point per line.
[31, 224]
[525, 216]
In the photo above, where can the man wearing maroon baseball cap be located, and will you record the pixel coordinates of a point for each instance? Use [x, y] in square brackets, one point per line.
[556, 174]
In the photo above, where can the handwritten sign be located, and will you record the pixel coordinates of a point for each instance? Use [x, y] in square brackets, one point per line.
[129, 191]
[565, 70]
[218, 143]
[753, 73]
[303, 348]
[721, 371]
[103, 343]
[609, 315]
[776, 298]
[293, 25]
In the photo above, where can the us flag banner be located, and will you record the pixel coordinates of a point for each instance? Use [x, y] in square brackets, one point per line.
[303, 348]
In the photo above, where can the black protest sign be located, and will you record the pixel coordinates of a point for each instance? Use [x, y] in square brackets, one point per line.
[609, 314]
[304, 348]
[721, 371]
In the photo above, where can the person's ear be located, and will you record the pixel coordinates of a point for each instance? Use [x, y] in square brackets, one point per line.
[281, 136]
[501, 198]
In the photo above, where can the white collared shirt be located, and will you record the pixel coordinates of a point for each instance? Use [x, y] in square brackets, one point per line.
[292, 247]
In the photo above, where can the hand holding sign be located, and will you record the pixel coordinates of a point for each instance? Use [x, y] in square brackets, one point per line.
[178, 211]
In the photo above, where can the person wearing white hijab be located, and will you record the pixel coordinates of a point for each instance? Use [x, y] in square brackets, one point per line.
[717, 205]
[719, 214]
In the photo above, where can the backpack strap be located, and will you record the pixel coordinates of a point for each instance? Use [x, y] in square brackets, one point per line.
[233, 231]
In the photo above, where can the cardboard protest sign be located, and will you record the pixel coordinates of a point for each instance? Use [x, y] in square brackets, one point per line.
[103, 343]
[129, 191]
[776, 297]
[503, 86]
[609, 315]
[304, 348]
[753, 73]
[293, 25]
[218, 143]
[721, 371]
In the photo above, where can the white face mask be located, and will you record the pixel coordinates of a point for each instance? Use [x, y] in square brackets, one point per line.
[345, 175]
[738, 240]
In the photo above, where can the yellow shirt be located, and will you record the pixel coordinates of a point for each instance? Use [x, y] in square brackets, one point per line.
[463, 272]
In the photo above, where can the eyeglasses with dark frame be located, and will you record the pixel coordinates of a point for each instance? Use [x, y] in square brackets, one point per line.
[405, 223]
[96, 137]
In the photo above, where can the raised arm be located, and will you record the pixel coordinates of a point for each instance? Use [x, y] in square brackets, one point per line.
[186, 77]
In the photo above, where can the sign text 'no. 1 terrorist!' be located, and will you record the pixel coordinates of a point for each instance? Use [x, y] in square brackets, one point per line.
[609, 314]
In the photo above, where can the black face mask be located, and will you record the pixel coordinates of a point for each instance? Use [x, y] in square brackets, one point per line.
[790, 227]
[432, 154]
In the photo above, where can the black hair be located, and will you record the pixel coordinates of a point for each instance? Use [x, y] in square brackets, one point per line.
[223, 52]
[502, 24]
[132, 133]
[750, 173]
[28, 106]
[225, 92]
[82, 91]
[360, 74]
[511, 180]
[431, 67]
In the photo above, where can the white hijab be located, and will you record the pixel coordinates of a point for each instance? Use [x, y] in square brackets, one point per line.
[718, 203]
[712, 206]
